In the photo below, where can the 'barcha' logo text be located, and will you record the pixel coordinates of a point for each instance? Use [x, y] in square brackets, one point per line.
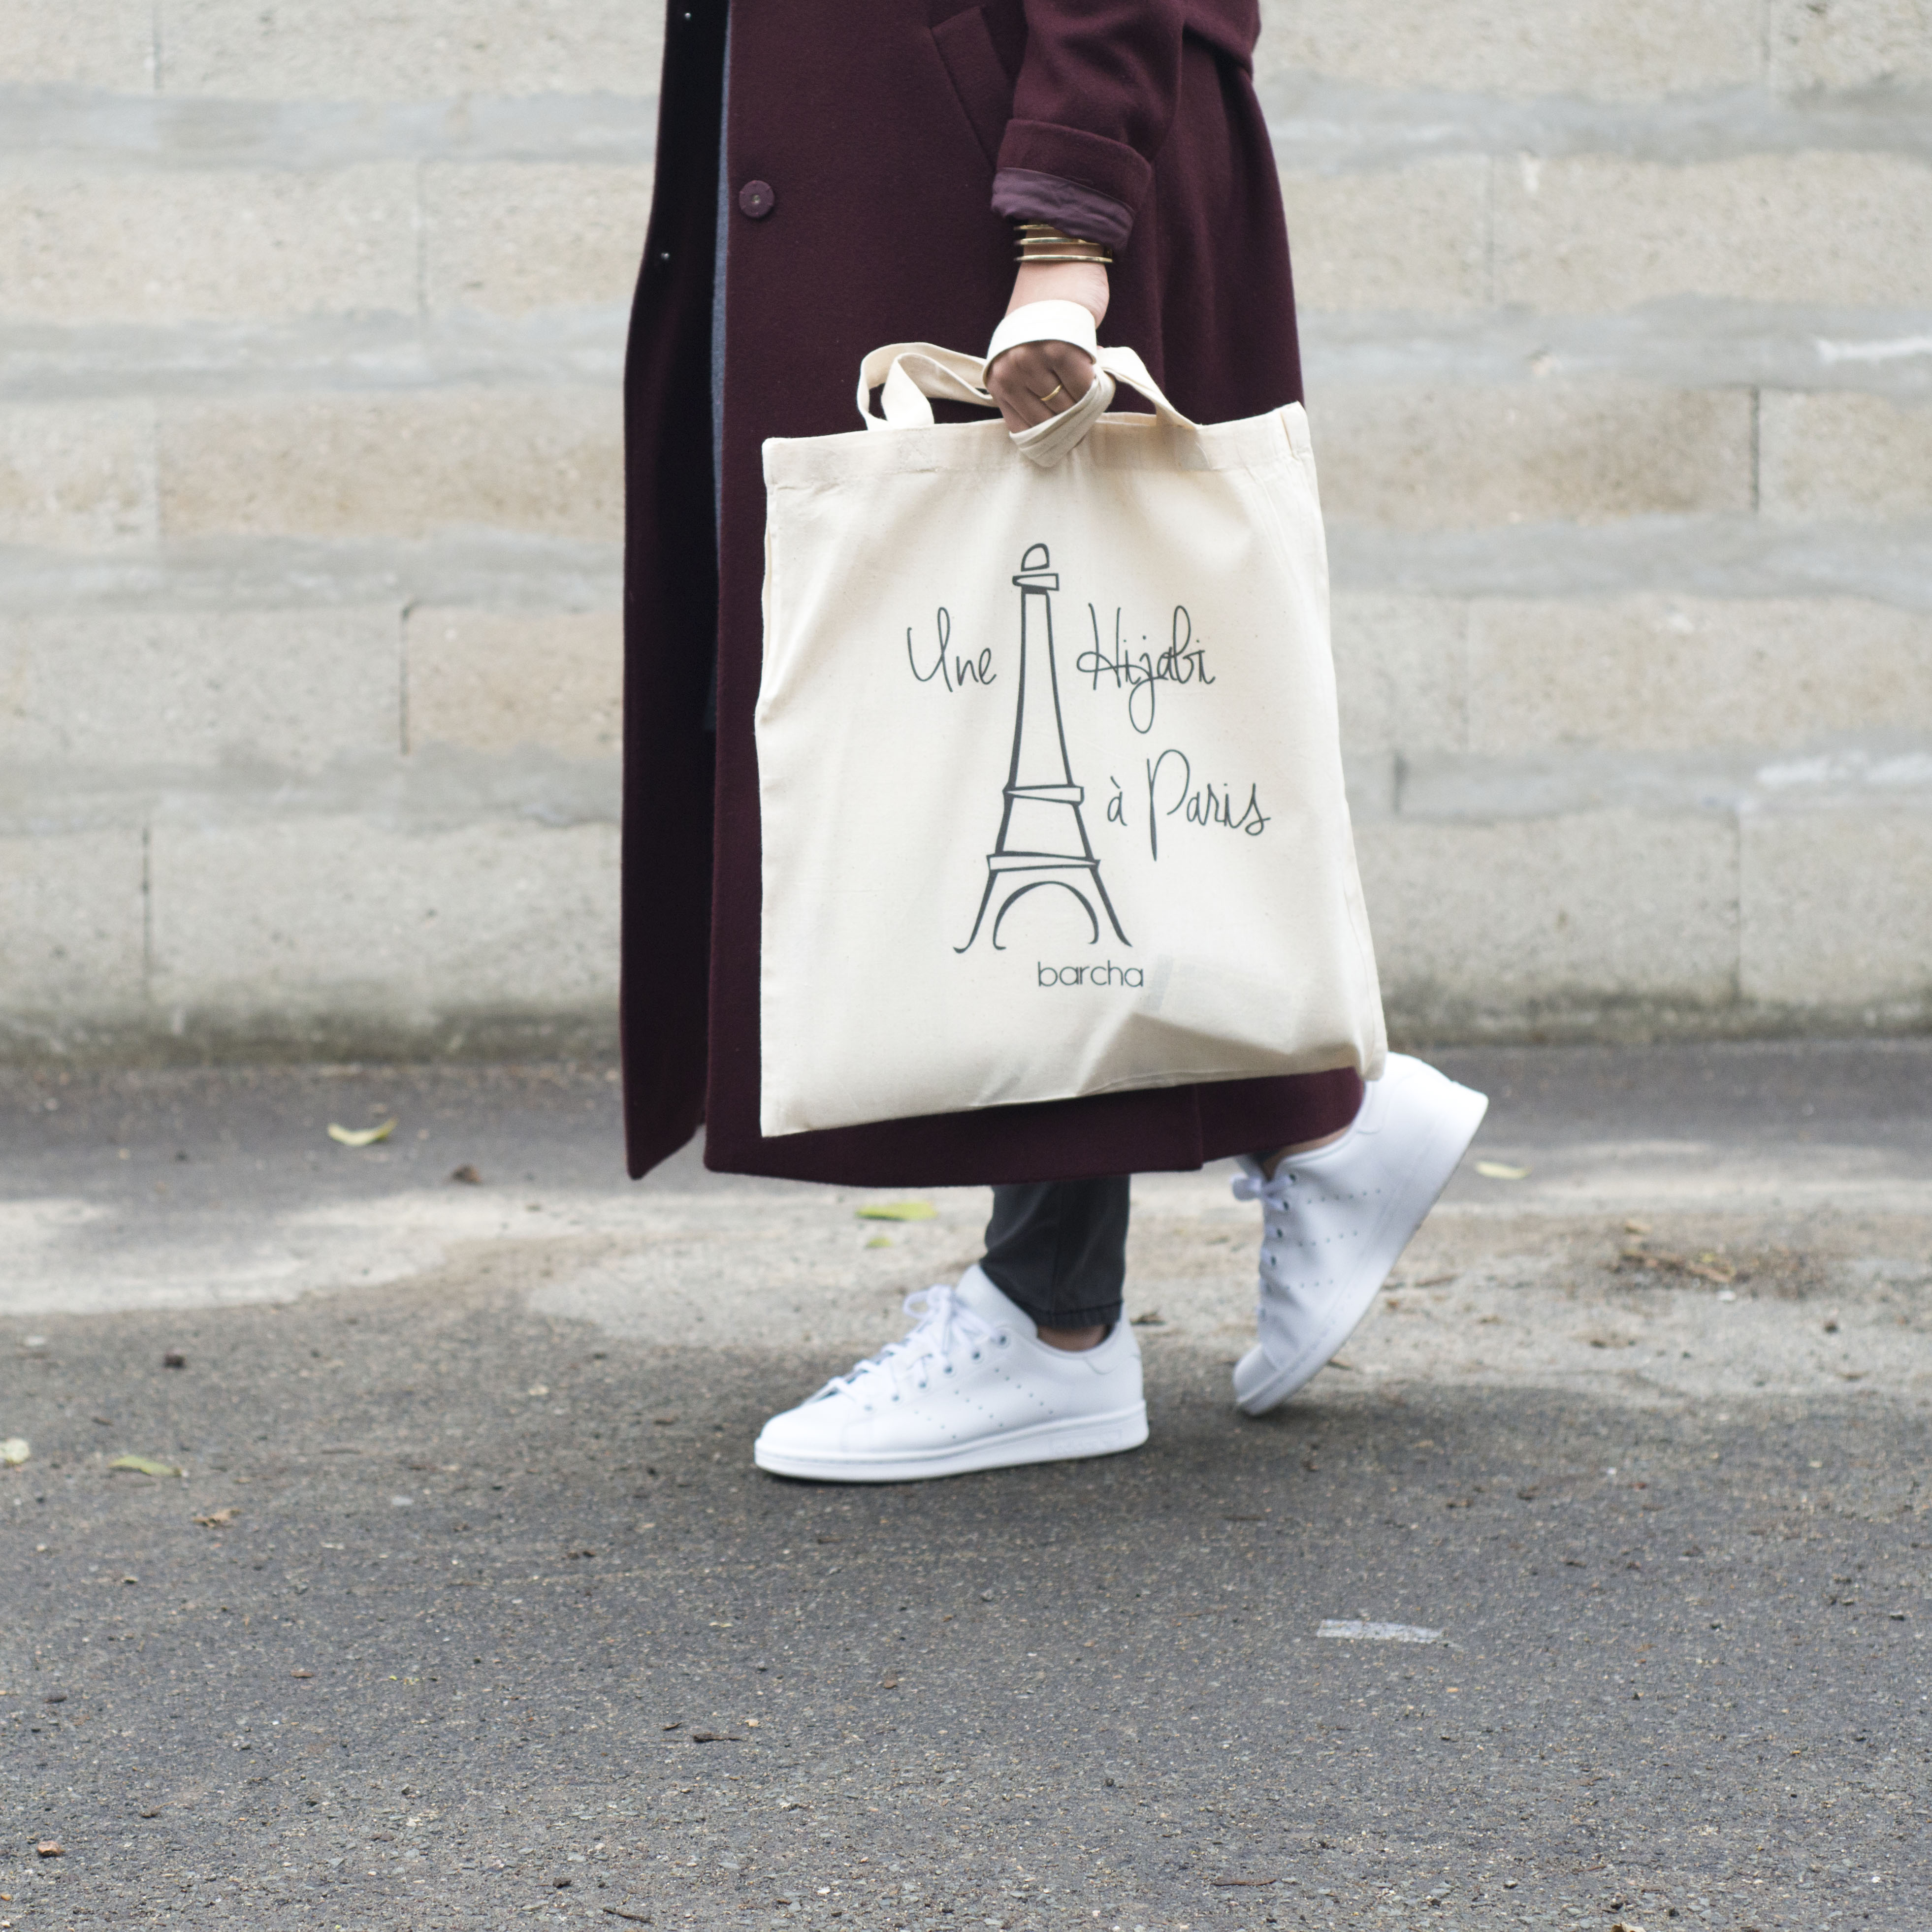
[1108, 975]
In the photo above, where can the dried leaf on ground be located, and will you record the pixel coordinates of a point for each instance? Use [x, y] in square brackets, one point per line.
[144, 1465]
[1153, 1319]
[216, 1518]
[466, 1175]
[1708, 1268]
[51, 1848]
[360, 1137]
[898, 1210]
[1501, 1170]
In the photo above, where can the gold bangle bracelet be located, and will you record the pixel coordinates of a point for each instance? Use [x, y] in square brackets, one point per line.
[1041, 242]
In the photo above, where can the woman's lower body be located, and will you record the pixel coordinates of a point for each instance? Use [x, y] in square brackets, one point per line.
[1057, 1249]
[979, 1380]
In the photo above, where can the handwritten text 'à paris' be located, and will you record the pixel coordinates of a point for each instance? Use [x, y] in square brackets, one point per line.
[1171, 790]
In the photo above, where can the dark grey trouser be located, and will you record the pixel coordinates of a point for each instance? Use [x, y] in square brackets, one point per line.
[1059, 1249]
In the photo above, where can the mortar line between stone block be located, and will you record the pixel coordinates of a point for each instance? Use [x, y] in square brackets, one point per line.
[1489, 232]
[1465, 629]
[422, 242]
[1738, 924]
[148, 910]
[1756, 452]
[403, 678]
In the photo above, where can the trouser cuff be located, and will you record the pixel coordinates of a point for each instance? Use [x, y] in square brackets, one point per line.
[1093, 1314]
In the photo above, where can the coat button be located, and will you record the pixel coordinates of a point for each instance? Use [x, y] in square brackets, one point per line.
[757, 199]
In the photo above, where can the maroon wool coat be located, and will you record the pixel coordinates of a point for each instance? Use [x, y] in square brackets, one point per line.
[875, 135]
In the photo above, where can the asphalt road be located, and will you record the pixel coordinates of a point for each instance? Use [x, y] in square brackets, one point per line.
[470, 1610]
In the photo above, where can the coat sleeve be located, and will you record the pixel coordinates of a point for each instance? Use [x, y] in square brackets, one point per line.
[1091, 108]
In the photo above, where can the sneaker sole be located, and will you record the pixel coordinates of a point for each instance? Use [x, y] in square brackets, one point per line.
[1044, 1442]
[1435, 1162]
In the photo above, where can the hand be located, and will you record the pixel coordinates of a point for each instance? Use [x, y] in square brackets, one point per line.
[1037, 380]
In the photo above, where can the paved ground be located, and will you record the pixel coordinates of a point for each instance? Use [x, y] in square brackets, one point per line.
[470, 1611]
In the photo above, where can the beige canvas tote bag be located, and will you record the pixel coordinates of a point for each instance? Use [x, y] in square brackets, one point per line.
[1048, 768]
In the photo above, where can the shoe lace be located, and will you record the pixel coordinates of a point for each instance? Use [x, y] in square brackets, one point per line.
[1273, 1195]
[941, 1322]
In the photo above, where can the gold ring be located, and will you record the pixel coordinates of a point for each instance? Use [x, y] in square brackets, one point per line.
[1052, 392]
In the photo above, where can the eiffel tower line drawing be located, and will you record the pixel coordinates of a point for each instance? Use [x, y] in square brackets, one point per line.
[1042, 838]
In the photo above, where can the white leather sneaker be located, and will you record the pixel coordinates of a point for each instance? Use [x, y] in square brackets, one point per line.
[1335, 1222]
[971, 1387]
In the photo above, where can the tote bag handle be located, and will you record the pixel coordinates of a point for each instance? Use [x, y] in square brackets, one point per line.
[910, 374]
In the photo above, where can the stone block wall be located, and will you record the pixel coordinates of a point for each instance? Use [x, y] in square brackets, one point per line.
[1619, 331]
[1618, 327]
